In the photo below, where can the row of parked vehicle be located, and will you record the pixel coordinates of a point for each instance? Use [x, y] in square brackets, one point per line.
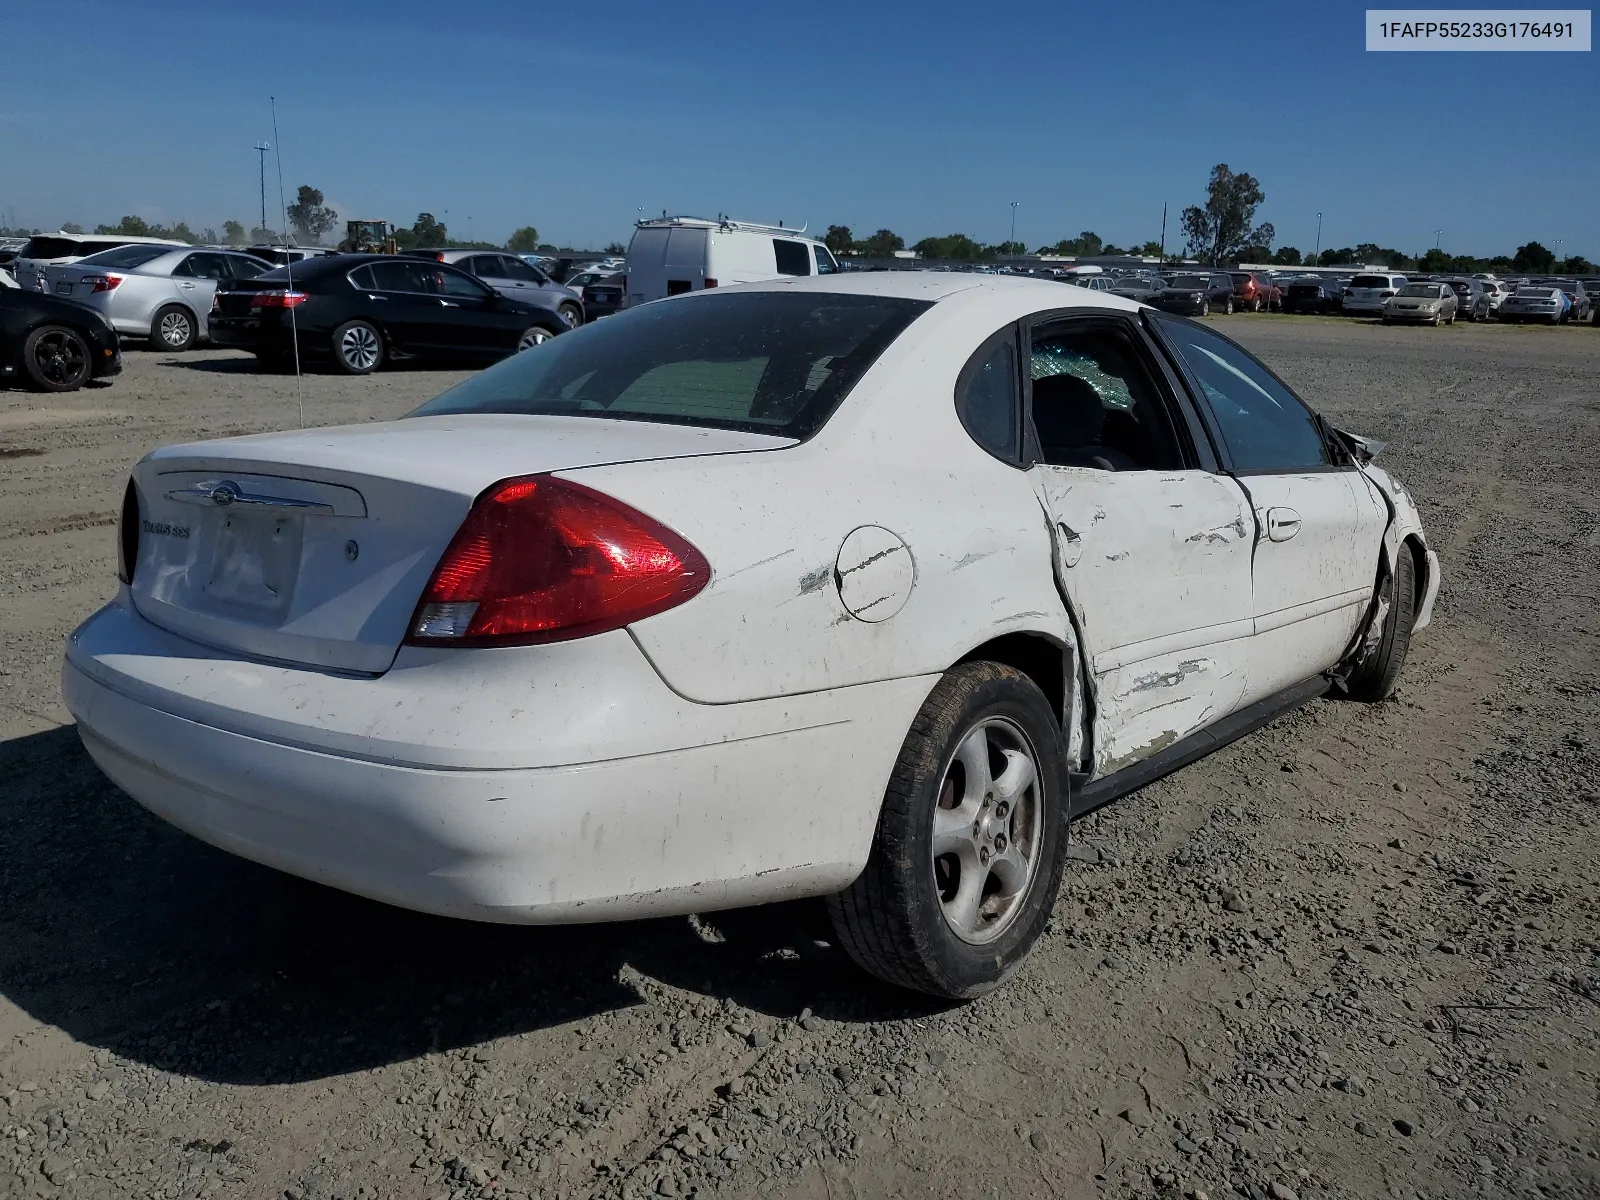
[1391, 297]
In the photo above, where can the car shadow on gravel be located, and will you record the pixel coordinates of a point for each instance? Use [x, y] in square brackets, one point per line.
[130, 935]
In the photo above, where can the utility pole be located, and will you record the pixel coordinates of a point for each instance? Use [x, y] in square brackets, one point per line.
[1014, 204]
[1163, 233]
[1318, 255]
[261, 153]
[1437, 233]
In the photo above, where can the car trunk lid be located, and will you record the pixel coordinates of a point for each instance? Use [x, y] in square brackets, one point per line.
[312, 547]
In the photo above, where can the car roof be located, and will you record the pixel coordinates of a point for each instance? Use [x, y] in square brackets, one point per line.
[1019, 292]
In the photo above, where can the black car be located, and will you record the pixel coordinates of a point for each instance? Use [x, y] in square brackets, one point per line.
[358, 311]
[1313, 296]
[1196, 294]
[56, 345]
[603, 292]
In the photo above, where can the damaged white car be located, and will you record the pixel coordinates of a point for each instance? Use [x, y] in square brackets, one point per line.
[857, 586]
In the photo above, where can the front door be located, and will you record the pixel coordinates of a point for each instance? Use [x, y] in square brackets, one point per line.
[1152, 550]
[1319, 525]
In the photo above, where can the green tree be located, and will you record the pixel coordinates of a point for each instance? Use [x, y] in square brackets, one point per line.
[1533, 259]
[1010, 248]
[1575, 264]
[1287, 256]
[428, 231]
[233, 233]
[179, 233]
[524, 240]
[1218, 231]
[208, 235]
[957, 247]
[132, 226]
[1151, 249]
[71, 227]
[1086, 245]
[616, 248]
[1435, 261]
[882, 244]
[839, 239]
[309, 217]
[1112, 248]
[261, 236]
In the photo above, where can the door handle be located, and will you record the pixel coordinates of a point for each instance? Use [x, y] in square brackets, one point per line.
[1282, 524]
[188, 287]
[449, 304]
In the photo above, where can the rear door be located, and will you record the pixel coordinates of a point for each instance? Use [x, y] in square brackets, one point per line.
[403, 301]
[1318, 523]
[685, 261]
[1152, 544]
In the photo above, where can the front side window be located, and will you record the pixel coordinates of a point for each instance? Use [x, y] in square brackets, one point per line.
[987, 399]
[793, 257]
[826, 265]
[766, 363]
[1263, 423]
[1094, 404]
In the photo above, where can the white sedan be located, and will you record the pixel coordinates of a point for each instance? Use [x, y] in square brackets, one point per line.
[857, 586]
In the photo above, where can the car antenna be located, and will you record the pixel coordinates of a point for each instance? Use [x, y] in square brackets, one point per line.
[288, 267]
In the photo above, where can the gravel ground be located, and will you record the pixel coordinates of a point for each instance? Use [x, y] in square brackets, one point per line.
[1354, 954]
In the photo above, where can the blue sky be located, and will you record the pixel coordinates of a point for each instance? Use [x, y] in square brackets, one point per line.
[925, 118]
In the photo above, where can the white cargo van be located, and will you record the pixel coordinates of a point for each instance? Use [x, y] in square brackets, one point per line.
[685, 254]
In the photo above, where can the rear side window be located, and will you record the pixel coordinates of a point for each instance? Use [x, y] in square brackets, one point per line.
[127, 256]
[398, 276]
[766, 363]
[793, 257]
[204, 266]
[987, 398]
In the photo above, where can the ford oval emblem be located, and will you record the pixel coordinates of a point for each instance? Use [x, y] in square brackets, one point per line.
[225, 493]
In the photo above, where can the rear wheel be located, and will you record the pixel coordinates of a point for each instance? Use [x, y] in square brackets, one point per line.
[357, 348]
[1384, 653]
[173, 328]
[56, 358]
[969, 850]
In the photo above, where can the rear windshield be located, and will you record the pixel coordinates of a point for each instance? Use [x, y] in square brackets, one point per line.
[1536, 289]
[768, 362]
[1427, 290]
[1372, 281]
[49, 247]
[127, 256]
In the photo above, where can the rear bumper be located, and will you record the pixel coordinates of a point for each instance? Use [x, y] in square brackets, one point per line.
[777, 804]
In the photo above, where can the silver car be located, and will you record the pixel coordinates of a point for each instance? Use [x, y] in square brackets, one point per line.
[514, 277]
[157, 292]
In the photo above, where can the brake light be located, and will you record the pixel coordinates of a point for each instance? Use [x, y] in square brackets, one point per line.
[102, 283]
[711, 283]
[128, 533]
[541, 559]
[277, 299]
[1385, 293]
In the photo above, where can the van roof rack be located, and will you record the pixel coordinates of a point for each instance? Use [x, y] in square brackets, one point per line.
[727, 223]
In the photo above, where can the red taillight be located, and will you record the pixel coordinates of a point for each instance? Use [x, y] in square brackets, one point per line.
[540, 559]
[102, 283]
[277, 299]
[711, 283]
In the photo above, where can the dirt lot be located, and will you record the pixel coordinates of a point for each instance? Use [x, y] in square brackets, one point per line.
[1356, 954]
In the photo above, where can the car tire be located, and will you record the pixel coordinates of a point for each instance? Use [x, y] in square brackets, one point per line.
[534, 335]
[56, 359]
[357, 347]
[1227, 307]
[173, 328]
[571, 315]
[1205, 308]
[943, 924]
[1375, 676]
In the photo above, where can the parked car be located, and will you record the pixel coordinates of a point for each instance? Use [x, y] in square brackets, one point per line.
[349, 666]
[1142, 288]
[1579, 301]
[1469, 296]
[1536, 302]
[358, 311]
[1492, 296]
[279, 255]
[1197, 294]
[689, 254]
[1313, 294]
[57, 249]
[514, 279]
[1255, 290]
[1426, 303]
[604, 293]
[56, 345]
[1367, 293]
[1094, 283]
[8, 254]
[155, 292]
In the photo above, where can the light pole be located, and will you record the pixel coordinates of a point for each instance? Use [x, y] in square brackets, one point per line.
[1437, 234]
[1556, 266]
[1317, 257]
[261, 153]
[1014, 204]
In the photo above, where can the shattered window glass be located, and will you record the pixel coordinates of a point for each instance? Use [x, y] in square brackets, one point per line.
[1057, 358]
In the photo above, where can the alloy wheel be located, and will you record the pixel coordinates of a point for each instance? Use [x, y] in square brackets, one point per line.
[533, 337]
[61, 358]
[175, 329]
[360, 348]
[987, 830]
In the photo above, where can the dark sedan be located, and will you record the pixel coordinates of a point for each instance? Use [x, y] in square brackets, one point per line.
[359, 311]
[603, 293]
[1313, 296]
[1197, 295]
[56, 345]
